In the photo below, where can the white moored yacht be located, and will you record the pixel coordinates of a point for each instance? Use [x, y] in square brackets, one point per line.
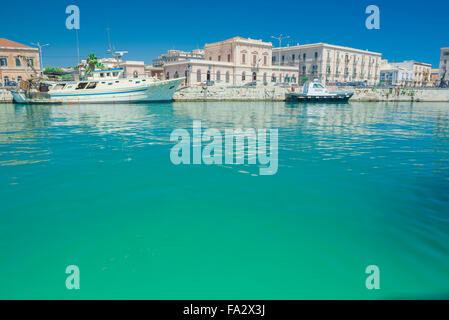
[101, 86]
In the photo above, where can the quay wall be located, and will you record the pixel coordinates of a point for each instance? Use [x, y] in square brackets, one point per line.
[5, 95]
[271, 93]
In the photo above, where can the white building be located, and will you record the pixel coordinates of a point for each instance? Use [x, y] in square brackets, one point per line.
[395, 75]
[177, 55]
[330, 63]
[235, 61]
[421, 72]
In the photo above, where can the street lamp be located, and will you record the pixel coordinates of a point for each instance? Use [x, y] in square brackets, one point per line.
[40, 46]
[280, 45]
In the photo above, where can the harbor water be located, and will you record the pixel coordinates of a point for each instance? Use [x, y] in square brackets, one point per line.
[357, 184]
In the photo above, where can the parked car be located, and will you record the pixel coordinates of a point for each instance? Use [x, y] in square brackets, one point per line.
[251, 84]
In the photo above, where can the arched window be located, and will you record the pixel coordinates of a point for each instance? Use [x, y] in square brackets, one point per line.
[208, 75]
[135, 74]
[243, 76]
[287, 78]
[218, 76]
[18, 63]
[316, 55]
[304, 70]
[168, 76]
[293, 78]
[273, 78]
[176, 74]
[304, 57]
[227, 76]
[198, 75]
[6, 80]
[254, 76]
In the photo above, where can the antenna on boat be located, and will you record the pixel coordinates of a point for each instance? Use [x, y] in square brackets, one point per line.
[116, 54]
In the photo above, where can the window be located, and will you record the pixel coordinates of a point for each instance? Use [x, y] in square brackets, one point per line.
[218, 76]
[18, 64]
[30, 62]
[91, 85]
[6, 80]
[316, 55]
[243, 58]
[101, 75]
[115, 74]
[304, 56]
[219, 58]
[293, 57]
[176, 74]
[293, 78]
[59, 87]
[273, 78]
[229, 58]
[273, 59]
[265, 77]
[81, 85]
[264, 60]
[243, 76]
[198, 75]
[318, 86]
[254, 59]
[283, 58]
[167, 76]
[227, 76]
[304, 70]
[19, 78]
[3, 62]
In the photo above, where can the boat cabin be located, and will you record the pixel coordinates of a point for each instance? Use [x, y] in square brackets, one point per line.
[107, 74]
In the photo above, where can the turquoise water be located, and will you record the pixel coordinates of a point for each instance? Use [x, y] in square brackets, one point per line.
[93, 186]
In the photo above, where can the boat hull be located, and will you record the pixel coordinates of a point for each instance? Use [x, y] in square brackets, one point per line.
[160, 91]
[336, 97]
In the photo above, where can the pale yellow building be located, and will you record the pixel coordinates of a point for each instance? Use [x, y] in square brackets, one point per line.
[236, 61]
[331, 63]
[17, 61]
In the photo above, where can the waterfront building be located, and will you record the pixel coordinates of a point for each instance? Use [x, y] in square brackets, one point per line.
[421, 72]
[17, 61]
[444, 67]
[330, 63]
[177, 55]
[435, 77]
[395, 75]
[236, 61]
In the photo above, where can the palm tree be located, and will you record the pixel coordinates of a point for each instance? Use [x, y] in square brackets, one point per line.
[92, 63]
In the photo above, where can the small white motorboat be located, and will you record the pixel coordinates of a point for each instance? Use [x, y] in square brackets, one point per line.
[314, 91]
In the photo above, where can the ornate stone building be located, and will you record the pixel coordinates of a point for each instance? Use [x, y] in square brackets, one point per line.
[17, 61]
[331, 63]
[236, 61]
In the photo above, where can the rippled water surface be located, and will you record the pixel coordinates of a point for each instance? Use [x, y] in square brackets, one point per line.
[93, 185]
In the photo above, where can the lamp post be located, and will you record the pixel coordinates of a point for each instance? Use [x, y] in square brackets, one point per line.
[280, 45]
[40, 46]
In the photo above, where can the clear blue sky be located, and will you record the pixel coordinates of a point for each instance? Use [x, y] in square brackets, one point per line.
[409, 29]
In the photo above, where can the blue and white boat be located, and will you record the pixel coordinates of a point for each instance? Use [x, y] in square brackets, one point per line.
[314, 91]
[101, 86]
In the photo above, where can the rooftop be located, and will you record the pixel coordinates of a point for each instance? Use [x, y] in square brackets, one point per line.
[321, 44]
[5, 43]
